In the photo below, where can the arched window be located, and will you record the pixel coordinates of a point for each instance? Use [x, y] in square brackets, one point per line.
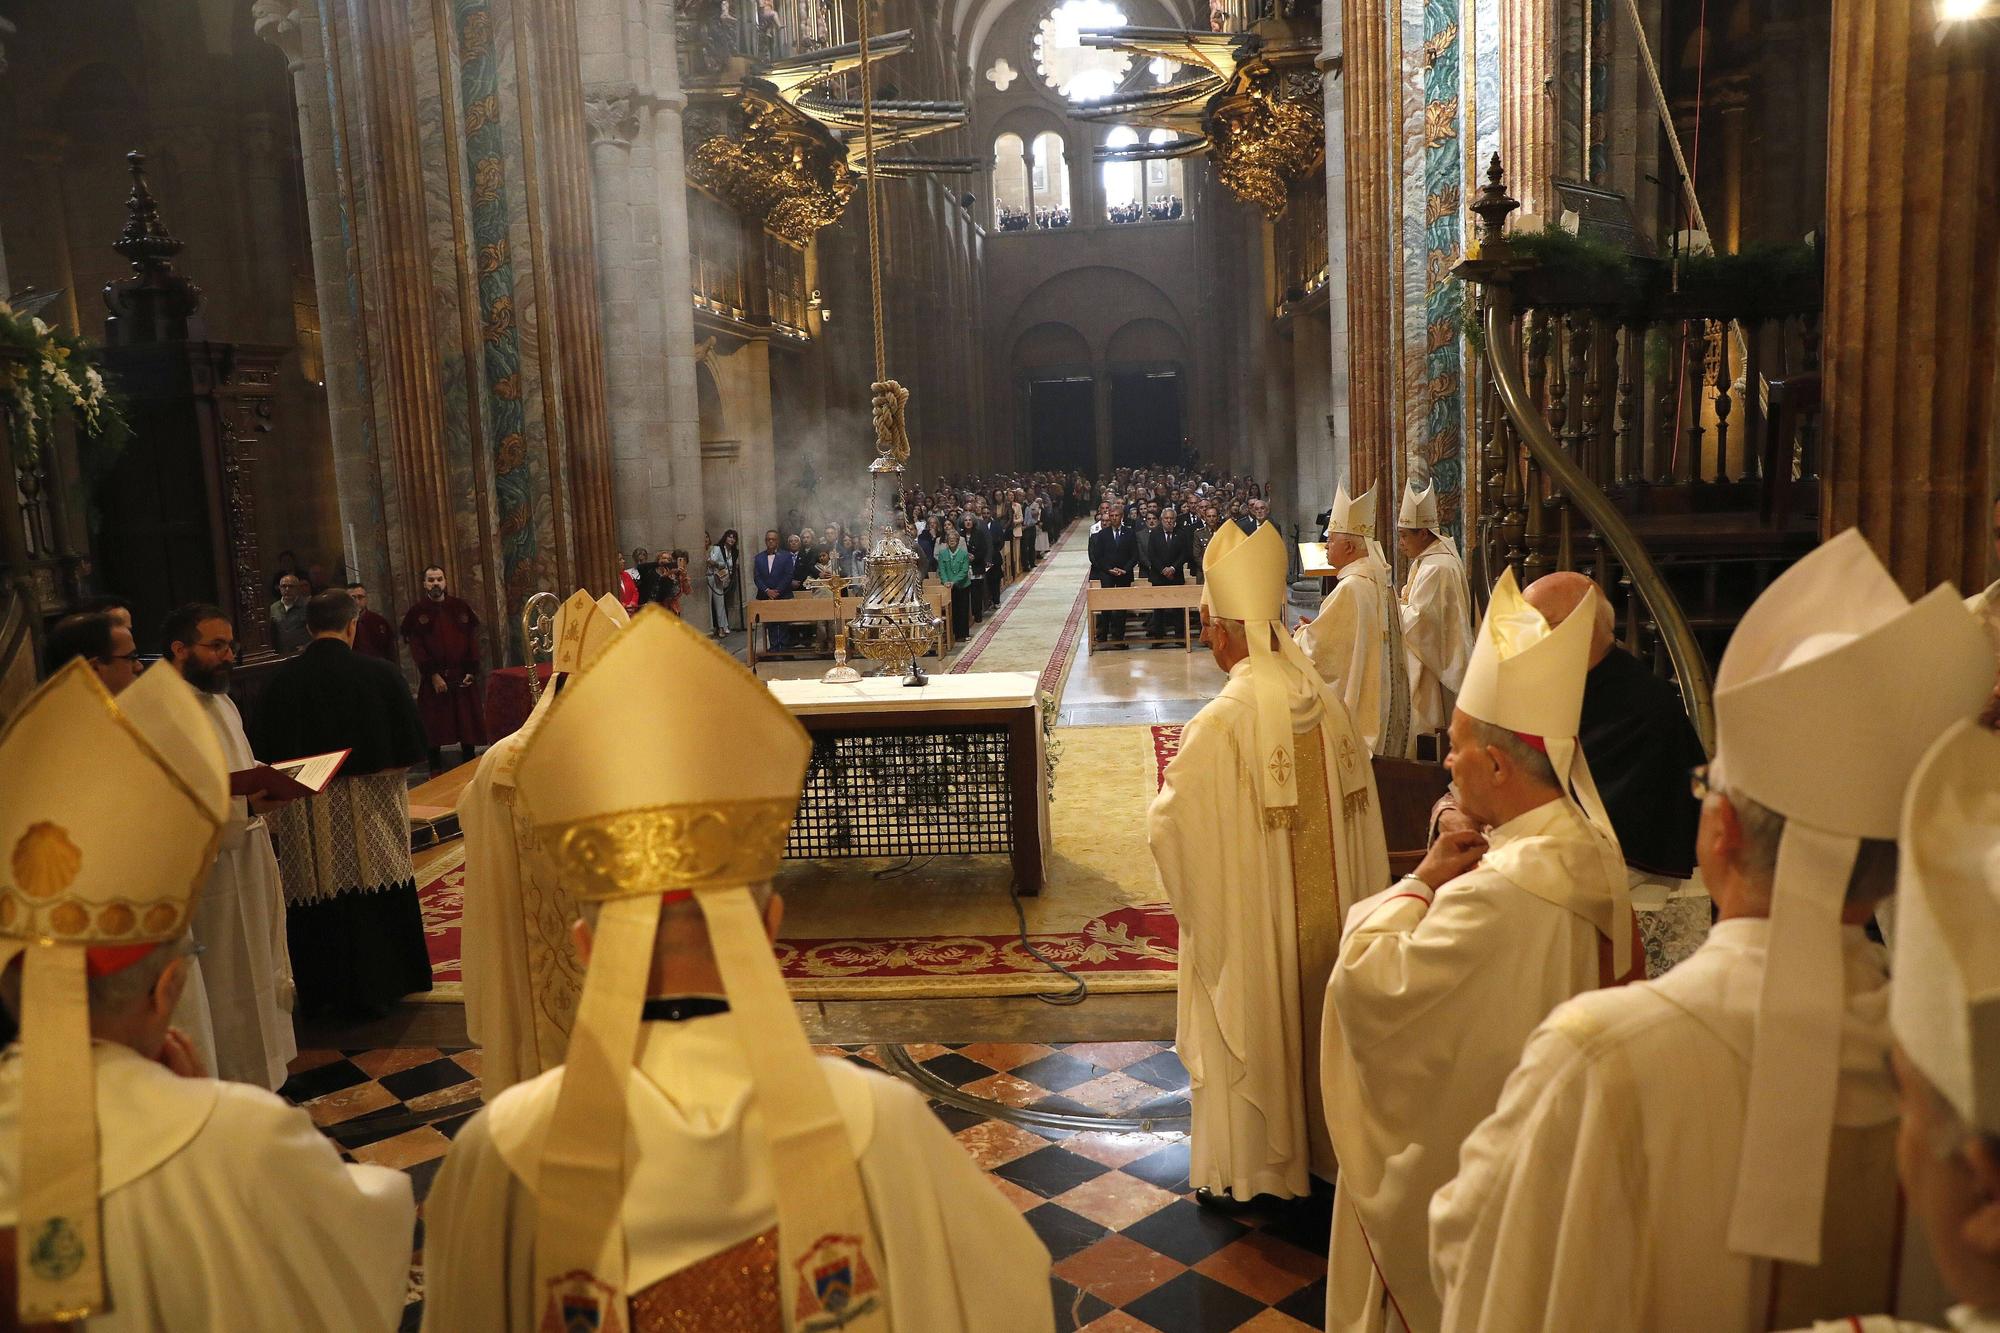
[1124, 188]
[1013, 208]
[1165, 181]
[1049, 180]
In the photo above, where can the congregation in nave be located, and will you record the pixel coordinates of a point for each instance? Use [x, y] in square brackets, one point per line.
[1004, 666]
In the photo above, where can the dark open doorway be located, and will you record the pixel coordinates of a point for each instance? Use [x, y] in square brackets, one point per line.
[1062, 424]
[1146, 425]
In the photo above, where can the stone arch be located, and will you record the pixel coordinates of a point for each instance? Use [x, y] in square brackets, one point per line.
[1097, 300]
[708, 401]
[1147, 341]
[1052, 344]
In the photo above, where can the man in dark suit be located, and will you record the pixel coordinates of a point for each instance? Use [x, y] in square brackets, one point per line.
[979, 541]
[772, 573]
[1114, 553]
[1000, 536]
[1164, 553]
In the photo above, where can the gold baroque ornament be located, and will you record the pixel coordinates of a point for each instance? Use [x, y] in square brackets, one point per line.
[771, 165]
[713, 845]
[1268, 136]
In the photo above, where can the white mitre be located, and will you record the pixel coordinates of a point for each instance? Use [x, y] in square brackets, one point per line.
[110, 815]
[1832, 688]
[1247, 583]
[1420, 508]
[1945, 1005]
[1528, 677]
[637, 800]
[1353, 516]
[583, 630]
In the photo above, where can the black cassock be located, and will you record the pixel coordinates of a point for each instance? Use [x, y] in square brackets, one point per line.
[1640, 745]
[355, 930]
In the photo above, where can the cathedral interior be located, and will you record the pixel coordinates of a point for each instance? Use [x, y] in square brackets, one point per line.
[325, 294]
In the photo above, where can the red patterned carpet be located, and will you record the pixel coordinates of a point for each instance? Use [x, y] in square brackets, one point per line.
[441, 893]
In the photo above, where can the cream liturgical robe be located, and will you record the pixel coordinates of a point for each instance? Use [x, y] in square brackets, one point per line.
[959, 1255]
[1348, 641]
[1599, 1193]
[225, 1208]
[1436, 606]
[1260, 911]
[1986, 606]
[239, 920]
[1426, 1016]
[522, 976]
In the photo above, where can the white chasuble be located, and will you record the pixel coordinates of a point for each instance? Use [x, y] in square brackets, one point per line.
[239, 921]
[1427, 1012]
[223, 1207]
[522, 976]
[1260, 911]
[960, 1257]
[1436, 607]
[1349, 642]
[1598, 1194]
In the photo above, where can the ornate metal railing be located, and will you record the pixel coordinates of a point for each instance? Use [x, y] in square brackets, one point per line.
[1649, 424]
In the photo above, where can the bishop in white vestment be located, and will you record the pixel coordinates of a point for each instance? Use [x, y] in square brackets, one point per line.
[1354, 640]
[1716, 1149]
[1436, 608]
[1443, 975]
[693, 1166]
[139, 1194]
[1263, 842]
[522, 976]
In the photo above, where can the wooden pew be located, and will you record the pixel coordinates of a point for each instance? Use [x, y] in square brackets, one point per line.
[1145, 597]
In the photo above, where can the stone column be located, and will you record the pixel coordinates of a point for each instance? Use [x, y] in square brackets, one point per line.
[1529, 119]
[1369, 97]
[401, 324]
[1335, 441]
[1912, 352]
[583, 483]
[632, 110]
[357, 466]
[45, 153]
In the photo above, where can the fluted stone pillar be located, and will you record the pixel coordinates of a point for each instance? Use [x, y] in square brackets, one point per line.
[1323, 456]
[1529, 116]
[1912, 350]
[632, 106]
[365, 510]
[1369, 97]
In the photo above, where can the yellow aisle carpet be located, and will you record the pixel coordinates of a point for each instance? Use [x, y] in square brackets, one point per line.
[947, 927]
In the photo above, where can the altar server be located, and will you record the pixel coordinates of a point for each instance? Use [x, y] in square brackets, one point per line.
[522, 975]
[134, 1192]
[1266, 829]
[1355, 641]
[1714, 1149]
[1443, 975]
[692, 1162]
[1436, 607]
[240, 913]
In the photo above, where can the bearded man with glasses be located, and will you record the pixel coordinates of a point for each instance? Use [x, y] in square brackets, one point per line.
[239, 917]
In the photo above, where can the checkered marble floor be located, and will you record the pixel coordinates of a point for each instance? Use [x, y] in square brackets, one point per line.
[1133, 1252]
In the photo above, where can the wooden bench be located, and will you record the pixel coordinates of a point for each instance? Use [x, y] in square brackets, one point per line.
[1146, 597]
[826, 610]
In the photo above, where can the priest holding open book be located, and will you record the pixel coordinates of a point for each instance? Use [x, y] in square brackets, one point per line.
[356, 932]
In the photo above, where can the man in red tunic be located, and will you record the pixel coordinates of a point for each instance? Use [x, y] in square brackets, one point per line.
[443, 634]
[373, 635]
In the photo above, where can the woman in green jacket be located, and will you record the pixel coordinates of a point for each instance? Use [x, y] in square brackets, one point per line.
[954, 564]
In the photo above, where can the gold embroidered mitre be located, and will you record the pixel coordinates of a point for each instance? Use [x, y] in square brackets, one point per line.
[1226, 539]
[584, 628]
[1353, 516]
[1420, 508]
[636, 795]
[110, 815]
[1818, 717]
